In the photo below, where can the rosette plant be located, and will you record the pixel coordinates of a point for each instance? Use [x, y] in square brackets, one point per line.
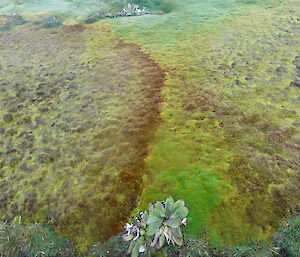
[162, 224]
[134, 10]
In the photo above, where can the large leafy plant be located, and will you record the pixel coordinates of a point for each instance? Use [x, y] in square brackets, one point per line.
[161, 225]
[134, 10]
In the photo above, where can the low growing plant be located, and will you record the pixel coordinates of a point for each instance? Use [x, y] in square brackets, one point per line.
[152, 233]
[287, 238]
[134, 10]
[17, 240]
[49, 22]
[113, 247]
[253, 248]
[161, 225]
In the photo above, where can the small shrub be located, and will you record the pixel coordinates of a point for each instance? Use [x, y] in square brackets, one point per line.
[163, 224]
[11, 21]
[49, 22]
[115, 247]
[97, 16]
[134, 10]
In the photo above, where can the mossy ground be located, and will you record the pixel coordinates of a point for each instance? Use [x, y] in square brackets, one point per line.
[80, 109]
[77, 113]
[229, 141]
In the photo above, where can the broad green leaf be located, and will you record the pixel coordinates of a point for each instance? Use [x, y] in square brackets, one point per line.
[159, 209]
[173, 223]
[177, 204]
[141, 240]
[136, 249]
[169, 206]
[142, 232]
[153, 228]
[161, 240]
[143, 224]
[127, 237]
[178, 240]
[131, 246]
[145, 217]
[181, 212]
[153, 218]
[176, 232]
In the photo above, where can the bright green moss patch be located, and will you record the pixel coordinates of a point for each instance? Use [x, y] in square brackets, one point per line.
[193, 183]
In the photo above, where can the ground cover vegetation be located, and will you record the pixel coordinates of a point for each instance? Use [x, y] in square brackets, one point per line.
[40, 240]
[199, 100]
[229, 137]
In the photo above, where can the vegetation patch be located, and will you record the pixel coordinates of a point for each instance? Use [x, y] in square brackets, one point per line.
[17, 240]
[9, 21]
[156, 6]
[126, 11]
[49, 22]
[161, 225]
[219, 147]
[71, 153]
[39, 240]
[201, 103]
[286, 239]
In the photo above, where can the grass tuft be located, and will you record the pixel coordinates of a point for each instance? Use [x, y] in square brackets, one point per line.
[287, 238]
[32, 240]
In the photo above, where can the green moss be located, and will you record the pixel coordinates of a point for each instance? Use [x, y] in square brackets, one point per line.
[227, 142]
[216, 117]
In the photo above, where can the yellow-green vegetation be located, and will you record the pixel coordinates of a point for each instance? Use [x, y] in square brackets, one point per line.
[229, 140]
[76, 115]
[199, 101]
